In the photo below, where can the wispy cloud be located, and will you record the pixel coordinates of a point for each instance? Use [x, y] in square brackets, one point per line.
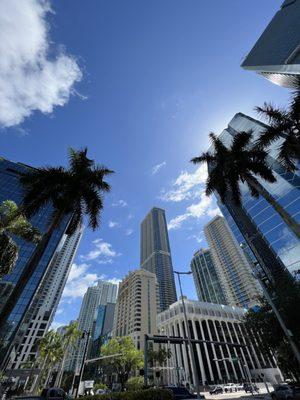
[129, 232]
[119, 203]
[195, 211]
[113, 224]
[157, 167]
[102, 252]
[198, 238]
[186, 185]
[34, 75]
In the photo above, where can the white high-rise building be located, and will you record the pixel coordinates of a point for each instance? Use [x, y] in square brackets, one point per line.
[42, 310]
[137, 306]
[101, 294]
[234, 270]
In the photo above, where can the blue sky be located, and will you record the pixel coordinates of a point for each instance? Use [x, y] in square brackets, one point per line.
[140, 83]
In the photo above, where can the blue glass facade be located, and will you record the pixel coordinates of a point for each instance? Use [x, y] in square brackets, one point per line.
[286, 191]
[10, 189]
[207, 282]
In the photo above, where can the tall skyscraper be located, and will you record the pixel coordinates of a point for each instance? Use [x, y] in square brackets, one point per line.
[255, 223]
[234, 271]
[43, 308]
[207, 281]
[101, 294]
[10, 189]
[137, 306]
[276, 54]
[156, 254]
[108, 292]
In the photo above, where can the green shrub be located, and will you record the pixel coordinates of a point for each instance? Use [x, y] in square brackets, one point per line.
[149, 394]
[135, 383]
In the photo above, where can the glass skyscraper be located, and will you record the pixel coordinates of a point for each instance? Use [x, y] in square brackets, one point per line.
[156, 254]
[276, 54]
[207, 281]
[282, 244]
[10, 189]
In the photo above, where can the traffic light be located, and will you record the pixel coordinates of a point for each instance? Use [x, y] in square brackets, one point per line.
[142, 372]
[157, 374]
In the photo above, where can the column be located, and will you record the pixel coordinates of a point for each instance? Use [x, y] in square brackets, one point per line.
[221, 350]
[203, 376]
[206, 353]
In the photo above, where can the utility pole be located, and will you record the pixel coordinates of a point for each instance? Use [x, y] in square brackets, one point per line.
[87, 335]
[188, 333]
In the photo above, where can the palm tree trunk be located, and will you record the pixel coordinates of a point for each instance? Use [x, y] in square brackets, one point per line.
[26, 274]
[287, 218]
[36, 384]
[60, 373]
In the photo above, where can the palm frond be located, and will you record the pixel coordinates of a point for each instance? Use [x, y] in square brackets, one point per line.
[240, 141]
[203, 158]
[295, 106]
[271, 113]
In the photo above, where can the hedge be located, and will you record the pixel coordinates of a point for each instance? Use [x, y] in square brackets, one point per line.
[149, 394]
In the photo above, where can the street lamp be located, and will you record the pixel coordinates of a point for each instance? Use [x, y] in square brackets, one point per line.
[188, 332]
[87, 335]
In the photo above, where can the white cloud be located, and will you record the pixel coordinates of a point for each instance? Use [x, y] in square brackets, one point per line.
[56, 325]
[113, 224]
[115, 281]
[157, 167]
[129, 232]
[80, 279]
[186, 186]
[130, 216]
[119, 203]
[102, 252]
[59, 311]
[33, 75]
[195, 211]
[199, 239]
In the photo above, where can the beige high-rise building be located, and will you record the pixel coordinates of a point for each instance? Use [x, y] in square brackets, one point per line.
[137, 306]
[234, 270]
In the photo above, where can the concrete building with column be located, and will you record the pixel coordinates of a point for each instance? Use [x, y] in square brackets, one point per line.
[156, 254]
[276, 54]
[230, 361]
[207, 281]
[234, 270]
[137, 306]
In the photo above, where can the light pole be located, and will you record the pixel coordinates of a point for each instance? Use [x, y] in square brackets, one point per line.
[87, 335]
[188, 332]
[286, 331]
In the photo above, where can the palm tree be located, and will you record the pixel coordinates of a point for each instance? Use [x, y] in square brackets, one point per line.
[51, 352]
[241, 163]
[12, 222]
[76, 191]
[283, 124]
[69, 340]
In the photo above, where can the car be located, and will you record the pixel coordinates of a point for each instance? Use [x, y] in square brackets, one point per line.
[239, 386]
[216, 390]
[229, 387]
[289, 391]
[182, 393]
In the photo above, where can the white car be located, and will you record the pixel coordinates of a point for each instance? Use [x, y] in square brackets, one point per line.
[230, 387]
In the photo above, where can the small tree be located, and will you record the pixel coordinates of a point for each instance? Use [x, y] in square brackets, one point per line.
[124, 357]
[135, 383]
